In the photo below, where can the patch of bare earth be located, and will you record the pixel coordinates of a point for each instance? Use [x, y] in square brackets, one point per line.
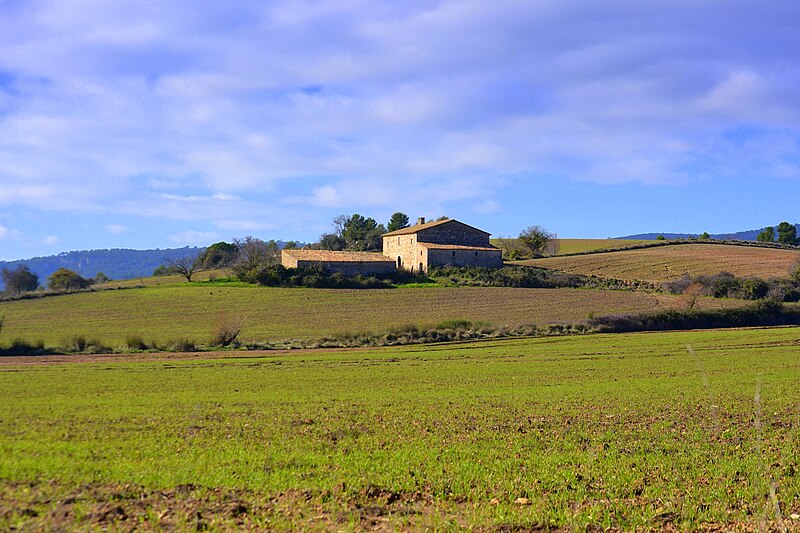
[128, 507]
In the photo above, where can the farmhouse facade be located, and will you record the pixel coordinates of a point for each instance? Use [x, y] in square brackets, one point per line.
[441, 243]
[413, 249]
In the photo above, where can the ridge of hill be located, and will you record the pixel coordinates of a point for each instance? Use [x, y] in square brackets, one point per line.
[747, 235]
[116, 263]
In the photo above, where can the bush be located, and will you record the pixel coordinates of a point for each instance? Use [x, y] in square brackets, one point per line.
[79, 344]
[227, 330]
[135, 342]
[726, 285]
[183, 345]
[527, 277]
[763, 313]
[23, 347]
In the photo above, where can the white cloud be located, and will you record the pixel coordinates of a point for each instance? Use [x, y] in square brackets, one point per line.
[50, 239]
[9, 234]
[116, 229]
[197, 238]
[243, 225]
[163, 110]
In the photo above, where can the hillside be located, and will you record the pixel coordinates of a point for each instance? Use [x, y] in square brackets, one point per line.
[572, 246]
[747, 235]
[671, 262]
[193, 311]
[118, 263]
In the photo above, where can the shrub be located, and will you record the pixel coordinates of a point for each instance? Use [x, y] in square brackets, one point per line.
[23, 347]
[227, 330]
[183, 345]
[79, 344]
[762, 313]
[794, 271]
[135, 342]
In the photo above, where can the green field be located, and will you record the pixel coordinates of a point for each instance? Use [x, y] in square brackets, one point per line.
[168, 313]
[605, 431]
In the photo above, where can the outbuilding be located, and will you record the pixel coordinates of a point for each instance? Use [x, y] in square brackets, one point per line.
[349, 263]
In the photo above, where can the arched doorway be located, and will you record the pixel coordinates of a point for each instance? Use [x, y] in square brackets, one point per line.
[399, 262]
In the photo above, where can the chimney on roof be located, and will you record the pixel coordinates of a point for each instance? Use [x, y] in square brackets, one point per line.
[420, 221]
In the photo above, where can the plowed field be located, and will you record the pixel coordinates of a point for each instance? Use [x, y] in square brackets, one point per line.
[168, 313]
[671, 262]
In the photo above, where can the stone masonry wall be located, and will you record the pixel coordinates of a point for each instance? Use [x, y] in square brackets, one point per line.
[454, 233]
[351, 268]
[404, 247]
[479, 258]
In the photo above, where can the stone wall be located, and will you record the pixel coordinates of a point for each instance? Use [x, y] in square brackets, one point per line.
[454, 233]
[351, 268]
[404, 248]
[468, 258]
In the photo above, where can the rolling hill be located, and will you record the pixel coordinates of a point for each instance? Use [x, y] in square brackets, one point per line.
[664, 263]
[747, 235]
[192, 311]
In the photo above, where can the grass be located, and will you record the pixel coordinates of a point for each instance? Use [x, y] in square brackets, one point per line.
[608, 431]
[672, 262]
[164, 314]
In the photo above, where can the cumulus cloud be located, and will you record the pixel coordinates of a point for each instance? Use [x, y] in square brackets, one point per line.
[8, 233]
[199, 111]
[196, 238]
[116, 229]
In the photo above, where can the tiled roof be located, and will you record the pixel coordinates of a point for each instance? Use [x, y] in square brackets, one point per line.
[330, 255]
[413, 229]
[419, 227]
[434, 246]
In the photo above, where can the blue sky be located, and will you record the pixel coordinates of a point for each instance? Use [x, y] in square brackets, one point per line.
[164, 124]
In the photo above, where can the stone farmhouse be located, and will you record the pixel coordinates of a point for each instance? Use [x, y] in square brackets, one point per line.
[441, 243]
[414, 249]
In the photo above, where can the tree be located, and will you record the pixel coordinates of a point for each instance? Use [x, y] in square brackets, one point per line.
[536, 239]
[660, 238]
[508, 247]
[218, 255]
[398, 221]
[19, 280]
[161, 270]
[254, 254]
[766, 235]
[331, 241]
[65, 279]
[787, 233]
[291, 245]
[362, 234]
[794, 271]
[185, 266]
[704, 236]
[100, 278]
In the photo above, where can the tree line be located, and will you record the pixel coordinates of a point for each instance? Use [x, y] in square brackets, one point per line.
[786, 234]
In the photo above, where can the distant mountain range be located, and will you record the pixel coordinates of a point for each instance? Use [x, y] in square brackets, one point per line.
[117, 263]
[749, 235]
